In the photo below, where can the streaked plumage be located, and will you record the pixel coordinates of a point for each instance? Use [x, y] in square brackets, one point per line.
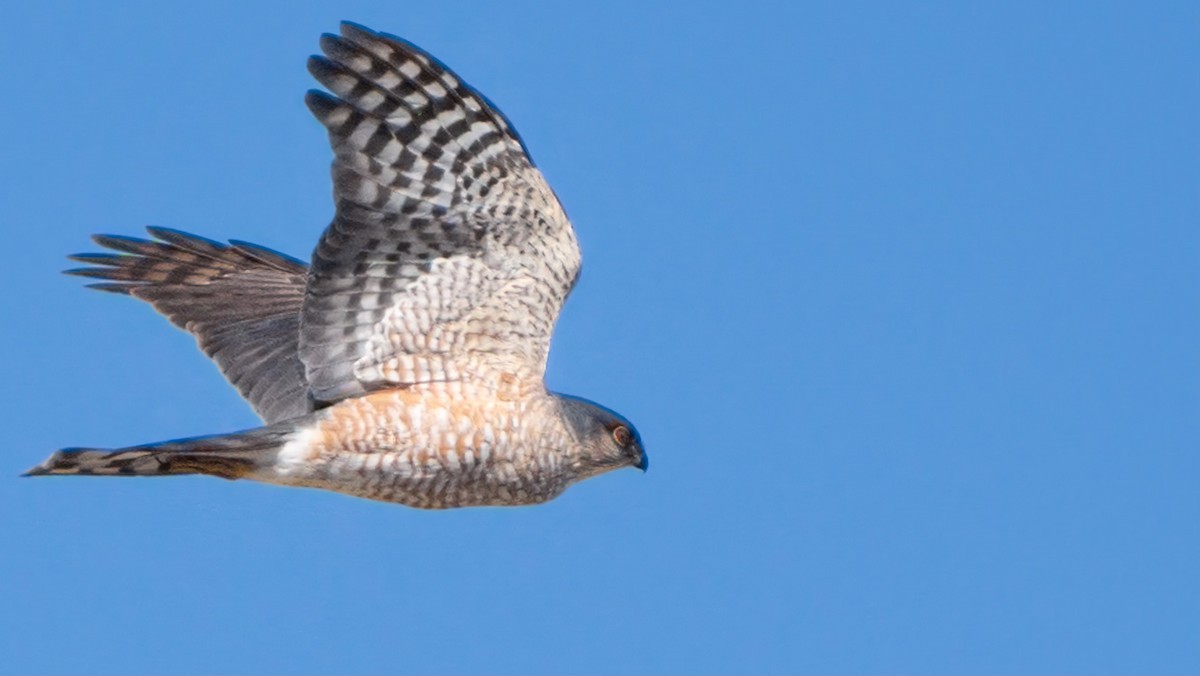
[406, 362]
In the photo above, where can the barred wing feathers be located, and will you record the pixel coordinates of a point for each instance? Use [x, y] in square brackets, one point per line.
[240, 301]
[449, 256]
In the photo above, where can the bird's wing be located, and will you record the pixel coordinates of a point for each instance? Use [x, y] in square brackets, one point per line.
[449, 257]
[240, 301]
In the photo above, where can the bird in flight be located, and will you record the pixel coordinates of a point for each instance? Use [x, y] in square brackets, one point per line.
[406, 363]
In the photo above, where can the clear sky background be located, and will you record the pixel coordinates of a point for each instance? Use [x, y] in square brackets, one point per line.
[905, 302]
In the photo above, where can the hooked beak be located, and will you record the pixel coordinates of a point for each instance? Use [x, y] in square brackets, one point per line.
[643, 461]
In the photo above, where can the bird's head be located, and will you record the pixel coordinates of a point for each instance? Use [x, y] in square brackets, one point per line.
[606, 440]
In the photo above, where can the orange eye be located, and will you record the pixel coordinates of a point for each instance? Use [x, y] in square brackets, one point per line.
[622, 436]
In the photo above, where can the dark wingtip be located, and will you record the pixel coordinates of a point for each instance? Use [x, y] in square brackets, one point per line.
[351, 28]
[163, 232]
[105, 265]
[322, 104]
[112, 287]
[99, 272]
[173, 236]
[43, 469]
[319, 66]
[87, 272]
[354, 26]
[118, 242]
[60, 463]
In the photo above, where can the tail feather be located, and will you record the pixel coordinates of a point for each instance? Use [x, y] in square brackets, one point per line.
[230, 457]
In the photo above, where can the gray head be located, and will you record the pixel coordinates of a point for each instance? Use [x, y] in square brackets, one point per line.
[607, 440]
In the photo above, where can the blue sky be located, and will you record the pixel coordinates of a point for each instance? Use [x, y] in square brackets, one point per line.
[904, 301]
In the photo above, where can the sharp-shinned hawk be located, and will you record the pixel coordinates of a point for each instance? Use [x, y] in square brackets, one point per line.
[406, 363]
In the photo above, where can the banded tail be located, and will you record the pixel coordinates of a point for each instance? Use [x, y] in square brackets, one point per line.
[232, 456]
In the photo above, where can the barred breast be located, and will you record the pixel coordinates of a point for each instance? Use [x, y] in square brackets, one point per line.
[432, 446]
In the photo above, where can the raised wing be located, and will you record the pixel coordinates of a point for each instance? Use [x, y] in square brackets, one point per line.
[449, 257]
[240, 301]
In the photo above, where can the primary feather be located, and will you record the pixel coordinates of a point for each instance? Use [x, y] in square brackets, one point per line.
[240, 301]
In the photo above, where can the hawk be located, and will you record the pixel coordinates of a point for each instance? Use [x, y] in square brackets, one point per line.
[406, 363]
